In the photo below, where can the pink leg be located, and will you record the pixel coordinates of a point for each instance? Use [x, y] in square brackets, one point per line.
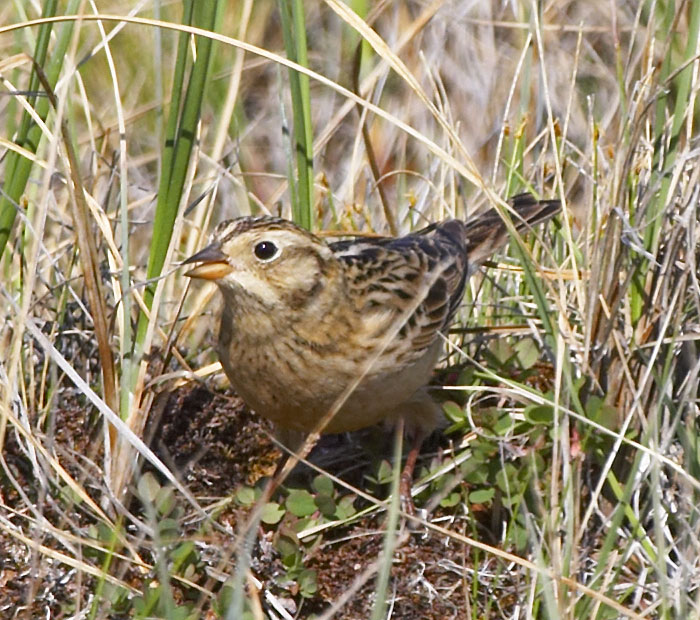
[407, 473]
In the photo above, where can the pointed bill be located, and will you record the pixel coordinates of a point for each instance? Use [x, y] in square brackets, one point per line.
[214, 263]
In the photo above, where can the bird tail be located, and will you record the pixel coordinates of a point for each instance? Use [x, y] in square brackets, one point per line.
[487, 233]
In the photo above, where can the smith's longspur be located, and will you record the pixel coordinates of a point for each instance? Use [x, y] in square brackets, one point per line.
[344, 334]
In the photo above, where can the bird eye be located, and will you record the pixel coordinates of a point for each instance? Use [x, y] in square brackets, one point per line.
[265, 250]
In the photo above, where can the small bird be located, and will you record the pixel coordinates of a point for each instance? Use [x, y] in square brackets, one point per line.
[334, 337]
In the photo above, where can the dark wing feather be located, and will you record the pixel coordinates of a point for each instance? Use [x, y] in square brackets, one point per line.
[420, 276]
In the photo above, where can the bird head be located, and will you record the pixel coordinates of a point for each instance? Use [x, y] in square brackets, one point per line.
[267, 260]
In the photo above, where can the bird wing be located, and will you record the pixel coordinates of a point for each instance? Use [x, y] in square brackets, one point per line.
[406, 289]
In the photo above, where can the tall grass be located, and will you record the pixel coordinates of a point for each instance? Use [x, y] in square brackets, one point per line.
[567, 483]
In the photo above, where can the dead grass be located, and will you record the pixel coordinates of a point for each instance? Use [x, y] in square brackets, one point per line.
[569, 483]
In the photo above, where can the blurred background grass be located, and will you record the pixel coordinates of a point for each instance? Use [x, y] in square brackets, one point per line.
[573, 405]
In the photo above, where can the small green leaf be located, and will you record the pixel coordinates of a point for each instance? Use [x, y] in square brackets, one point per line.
[245, 496]
[326, 505]
[184, 554]
[503, 425]
[345, 508]
[300, 503]
[602, 413]
[139, 605]
[323, 485]
[168, 529]
[115, 594]
[384, 473]
[287, 545]
[527, 352]
[106, 533]
[519, 537]
[148, 487]
[304, 523]
[482, 496]
[165, 501]
[307, 583]
[293, 562]
[476, 476]
[539, 414]
[510, 500]
[507, 479]
[501, 350]
[272, 513]
[451, 500]
[453, 411]
[537, 461]
[483, 449]
[181, 612]
[189, 571]
[70, 495]
[467, 377]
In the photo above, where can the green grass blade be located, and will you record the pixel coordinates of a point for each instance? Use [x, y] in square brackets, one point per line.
[17, 168]
[182, 129]
[390, 536]
[294, 31]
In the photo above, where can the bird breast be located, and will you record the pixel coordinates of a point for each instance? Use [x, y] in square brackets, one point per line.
[295, 376]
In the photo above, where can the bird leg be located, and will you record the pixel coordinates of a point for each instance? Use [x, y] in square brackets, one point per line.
[407, 473]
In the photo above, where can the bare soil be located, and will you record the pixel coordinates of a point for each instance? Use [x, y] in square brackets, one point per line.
[215, 445]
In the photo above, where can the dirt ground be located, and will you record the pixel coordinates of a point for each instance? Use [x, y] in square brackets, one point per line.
[216, 445]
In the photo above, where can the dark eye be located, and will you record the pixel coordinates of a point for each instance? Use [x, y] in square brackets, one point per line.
[265, 250]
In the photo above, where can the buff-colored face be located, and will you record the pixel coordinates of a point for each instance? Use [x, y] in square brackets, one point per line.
[267, 259]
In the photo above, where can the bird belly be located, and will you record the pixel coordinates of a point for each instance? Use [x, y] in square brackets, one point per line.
[297, 391]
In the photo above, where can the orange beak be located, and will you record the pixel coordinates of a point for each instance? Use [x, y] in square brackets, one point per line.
[214, 263]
